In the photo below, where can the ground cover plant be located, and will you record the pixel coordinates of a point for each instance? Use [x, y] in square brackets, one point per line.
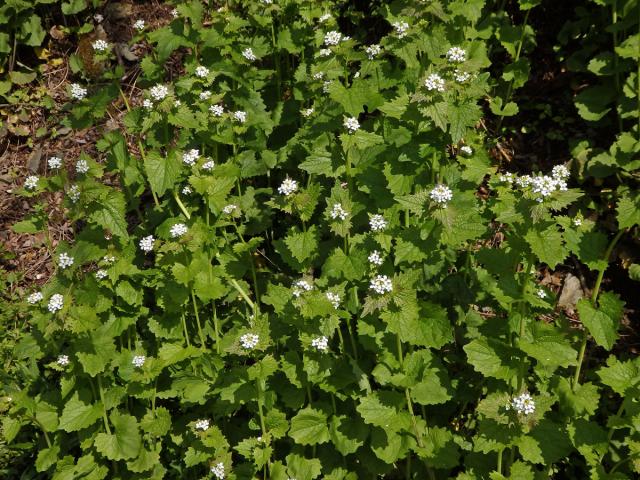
[298, 249]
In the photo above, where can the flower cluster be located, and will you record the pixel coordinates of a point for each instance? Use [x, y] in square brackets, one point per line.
[159, 92]
[64, 260]
[201, 71]
[54, 163]
[63, 360]
[351, 124]
[381, 284]
[375, 258]
[456, 55]
[229, 209]
[325, 52]
[320, 343]
[190, 157]
[332, 38]
[206, 95]
[218, 470]
[461, 76]
[434, 82]
[82, 167]
[542, 186]
[139, 25]
[377, 223]
[523, 404]
[248, 54]
[325, 18]
[338, 212]
[178, 230]
[78, 92]
[466, 150]
[307, 112]
[31, 183]
[401, 28]
[287, 187]
[208, 165]
[101, 274]
[217, 110]
[100, 46]
[74, 193]
[56, 302]
[146, 243]
[240, 116]
[373, 51]
[35, 297]
[334, 298]
[301, 286]
[541, 293]
[138, 361]
[202, 424]
[441, 194]
[249, 341]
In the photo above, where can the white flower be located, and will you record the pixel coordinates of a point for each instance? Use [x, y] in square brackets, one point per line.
[100, 46]
[301, 286]
[377, 223]
[523, 404]
[78, 92]
[177, 103]
[373, 51]
[175, 13]
[338, 212]
[523, 181]
[178, 230]
[351, 124]
[208, 165]
[205, 95]
[545, 185]
[381, 284]
[63, 360]
[31, 183]
[217, 110]
[101, 274]
[229, 209]
[320, 343]
[186, 190]
[240, 116]
[441, 194]
[139, 25]
[146, 243]
[218, 470]
[467, 150]
[318, 76]
[332, 38]
[201, 71]
[159, 92]
[541, 293]
[507, 177]
[434, 82]
[325, 17]
[401, 28]
[98, 18]
[109, 259]
[357, 74]
[64, 260]
[307, 112]
[325, 86]
[577, 222]
[202, 424]
[456, 55]
[82, 166]
[334, 298]
[35, 297]
[287, 187]
[56, 302]
[138, 361]
[461, 76]
[560, 172]
[148, 104]
[249, 341]
[267, 2]
[190, 157]
[74, 193]
[54, 163]
[249, 55]
[325, 52]
[375, 258]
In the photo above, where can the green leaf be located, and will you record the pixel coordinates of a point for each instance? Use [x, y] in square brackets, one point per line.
[547, 245]
[21, 78]
[602, 322]
[309, 427]
[593, 102]
[47, 457]
[302, 245]
[493, 358]
[347, 434]
[72, 7]
[509, 110]
[462, 115]
[126, 441]
[302, 468]
[549, 346]
[628, 210]
[622, 377]
[376, 413]
[162, 172]
[109, 213]
[77, 415]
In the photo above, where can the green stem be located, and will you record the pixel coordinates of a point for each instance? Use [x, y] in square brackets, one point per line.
[594, 300]
[153, 193]
[242, 293]
[408, 395]
[499, 467]
[186, 332]
[216, 327]
[181, 205]
[614, 20]
[195, 310]
[104, 408]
